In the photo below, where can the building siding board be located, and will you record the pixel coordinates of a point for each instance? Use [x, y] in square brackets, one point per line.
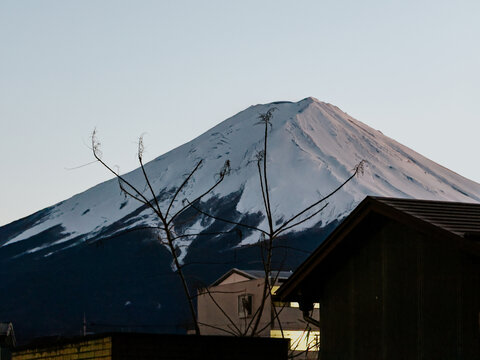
[471, 306]
[429, 283]
[342, 310]
[367, 297]
[401, 300]
[439, 315]
[382, 297]
[336, 324]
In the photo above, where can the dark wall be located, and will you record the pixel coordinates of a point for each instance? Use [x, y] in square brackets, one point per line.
[5, 354]
[189, 347]
[469, 337]
[392, 292]
[352, 298]
[141, 346]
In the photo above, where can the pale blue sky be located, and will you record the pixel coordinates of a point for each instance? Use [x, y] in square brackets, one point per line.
[173, 69]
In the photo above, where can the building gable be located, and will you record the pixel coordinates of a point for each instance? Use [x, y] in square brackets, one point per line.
[460, 222]
[398, 279]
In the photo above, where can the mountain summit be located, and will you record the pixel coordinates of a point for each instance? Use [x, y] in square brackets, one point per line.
[313, 147]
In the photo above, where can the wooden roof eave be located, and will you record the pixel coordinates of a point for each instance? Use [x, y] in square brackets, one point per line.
[369, 205]
[289, 288]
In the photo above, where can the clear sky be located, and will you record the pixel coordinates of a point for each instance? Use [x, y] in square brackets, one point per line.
[173, 69]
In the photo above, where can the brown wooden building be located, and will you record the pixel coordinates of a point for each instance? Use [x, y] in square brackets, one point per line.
[398, 279]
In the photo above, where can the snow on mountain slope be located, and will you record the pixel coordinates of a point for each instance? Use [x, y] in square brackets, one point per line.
[313, 147]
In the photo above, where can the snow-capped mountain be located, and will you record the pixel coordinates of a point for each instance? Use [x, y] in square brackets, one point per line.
[313, 148]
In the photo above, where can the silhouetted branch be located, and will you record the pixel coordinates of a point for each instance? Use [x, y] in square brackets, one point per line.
[123, 232]
[301, 221]
[358, 167]
[169, 235]
[260, 177]
[140, 160]
[222, 174]
[187, 179]
[225, 220]
[219, 328]
[290, 248]
[97, 154]
[223, 311]
[202, 234]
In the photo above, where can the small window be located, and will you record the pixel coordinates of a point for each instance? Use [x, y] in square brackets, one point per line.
[245, 305]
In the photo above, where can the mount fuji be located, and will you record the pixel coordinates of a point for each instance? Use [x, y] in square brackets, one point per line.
[96, 254]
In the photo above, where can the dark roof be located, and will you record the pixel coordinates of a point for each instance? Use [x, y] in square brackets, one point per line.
[253, 274]
[456, 220]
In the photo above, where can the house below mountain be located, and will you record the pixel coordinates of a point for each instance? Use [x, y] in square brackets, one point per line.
[398, 279]
[230, 305]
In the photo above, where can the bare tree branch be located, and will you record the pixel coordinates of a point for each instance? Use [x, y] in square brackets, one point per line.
[187, 179]
[97, 154]
[225, 220]
[123, 232]
[169, 234]
[218, 328]
[140, 160]
[202, 234]
[358, 168]
[223, 311]
[268, 237]
[260, 177]
[301, 221]
[222, 177]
